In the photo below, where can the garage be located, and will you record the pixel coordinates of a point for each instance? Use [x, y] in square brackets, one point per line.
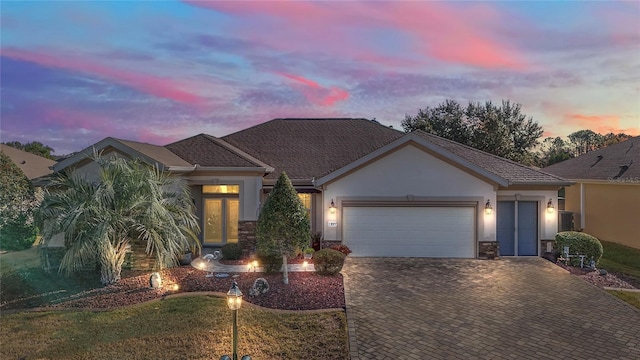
[421, 231]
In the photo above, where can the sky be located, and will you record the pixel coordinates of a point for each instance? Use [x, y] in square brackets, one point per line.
[75, 72]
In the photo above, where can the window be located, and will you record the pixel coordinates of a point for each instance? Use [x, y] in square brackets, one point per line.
[220, 189]
[561, 203]
[306, 201]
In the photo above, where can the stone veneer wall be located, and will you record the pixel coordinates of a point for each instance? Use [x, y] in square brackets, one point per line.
[489, 250]
[247, 237]
[543, 246]
[137, 258]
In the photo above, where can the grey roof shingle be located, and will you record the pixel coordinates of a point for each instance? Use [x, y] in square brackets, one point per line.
[33, 166]
[158, 153]
[308, 148]
[615, 162]
[206, 150]
[514, 172]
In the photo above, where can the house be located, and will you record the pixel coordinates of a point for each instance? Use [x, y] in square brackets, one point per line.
[33, 166]
[378, 190]
[606, 200]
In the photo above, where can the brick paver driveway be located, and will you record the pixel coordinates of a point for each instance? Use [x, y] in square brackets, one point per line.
[481, 309]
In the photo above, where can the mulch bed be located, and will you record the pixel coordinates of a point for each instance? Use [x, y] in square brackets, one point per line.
[305, 291]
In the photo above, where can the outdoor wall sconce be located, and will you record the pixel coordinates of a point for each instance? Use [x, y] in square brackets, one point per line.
[332, 207]
[550, 208]
[487, 208]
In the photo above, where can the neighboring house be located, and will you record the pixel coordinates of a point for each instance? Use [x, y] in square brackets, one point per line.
[378, 190]
[33, 166]
[606, 201]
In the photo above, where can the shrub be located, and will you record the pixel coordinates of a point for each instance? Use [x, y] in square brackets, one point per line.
[232, 251]
[271, 263]
[580, 243]
[17, 234]
[328, 261]
[342, 248]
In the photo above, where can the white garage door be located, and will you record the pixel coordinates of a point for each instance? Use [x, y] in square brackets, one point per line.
[409, 231]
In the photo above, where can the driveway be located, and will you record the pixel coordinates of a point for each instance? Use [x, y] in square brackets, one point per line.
[520, 308]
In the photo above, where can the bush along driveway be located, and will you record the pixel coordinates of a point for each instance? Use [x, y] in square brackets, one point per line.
[525, 308]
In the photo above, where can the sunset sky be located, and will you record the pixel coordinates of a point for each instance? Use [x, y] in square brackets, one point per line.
[75, 72]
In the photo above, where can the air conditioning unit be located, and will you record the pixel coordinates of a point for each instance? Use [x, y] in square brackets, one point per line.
[565, 221]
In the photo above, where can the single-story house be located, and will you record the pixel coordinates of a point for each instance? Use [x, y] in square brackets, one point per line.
[379, 191]
[606, 200]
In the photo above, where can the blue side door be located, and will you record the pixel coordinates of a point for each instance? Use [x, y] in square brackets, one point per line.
[505, 226]
[527, 228]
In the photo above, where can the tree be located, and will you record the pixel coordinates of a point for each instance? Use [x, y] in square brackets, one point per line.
[283, 225]
[554, 150]
[34, 147]
[503, 131]
[584, 141]
[17, 202]
[130, 202]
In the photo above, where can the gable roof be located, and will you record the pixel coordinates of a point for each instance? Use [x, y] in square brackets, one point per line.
[208, 151]
[615, 162]
[32, 165]
[311, 148]
[152, 154]
[514, 172]
[492, 168]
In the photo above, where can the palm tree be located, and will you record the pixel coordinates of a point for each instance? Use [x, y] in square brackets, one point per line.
[130, 202]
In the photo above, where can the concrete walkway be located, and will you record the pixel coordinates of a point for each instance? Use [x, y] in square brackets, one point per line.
[215, 266]
[514, 308]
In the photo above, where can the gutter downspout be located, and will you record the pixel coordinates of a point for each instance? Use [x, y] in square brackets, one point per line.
[582, 206]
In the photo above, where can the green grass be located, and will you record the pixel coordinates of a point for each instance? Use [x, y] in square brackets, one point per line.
[632, 298]
[177, 328]
[621, 259]
[22, 278]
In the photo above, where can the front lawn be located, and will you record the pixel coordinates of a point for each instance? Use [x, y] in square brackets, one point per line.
[196, 327]
[632, 298]
[621, 259]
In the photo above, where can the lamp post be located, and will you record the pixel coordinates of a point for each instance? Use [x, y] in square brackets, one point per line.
[234, 301]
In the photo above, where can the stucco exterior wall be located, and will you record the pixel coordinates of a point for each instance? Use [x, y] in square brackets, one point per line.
[612, 212]
[409, 174]
[548, 222]
[250, 190]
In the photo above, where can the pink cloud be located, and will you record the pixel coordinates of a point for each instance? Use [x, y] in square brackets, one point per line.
[602, 124]
[443, 31]
[315, 93]
[153, 85]
[76, 119]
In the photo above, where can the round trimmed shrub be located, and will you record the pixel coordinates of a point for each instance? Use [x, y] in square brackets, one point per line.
[271, 263]
[328, 261]
[579, 243]
[231, 251]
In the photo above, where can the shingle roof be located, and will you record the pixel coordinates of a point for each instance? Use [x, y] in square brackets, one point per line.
[308, 148]
[615, 162]
[158, 153]
[514, 172]
[206, 150]
[32, 165]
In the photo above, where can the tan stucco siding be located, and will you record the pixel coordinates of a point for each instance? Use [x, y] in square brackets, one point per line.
[612, 212]
[572, 203]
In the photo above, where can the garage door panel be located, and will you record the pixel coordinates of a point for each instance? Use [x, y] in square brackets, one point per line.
[410, 231]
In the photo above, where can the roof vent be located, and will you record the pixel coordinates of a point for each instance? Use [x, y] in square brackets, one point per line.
[597, 161]
[623, 169]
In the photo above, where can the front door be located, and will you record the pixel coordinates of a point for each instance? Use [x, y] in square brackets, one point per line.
[517, 228]
[220, 220]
